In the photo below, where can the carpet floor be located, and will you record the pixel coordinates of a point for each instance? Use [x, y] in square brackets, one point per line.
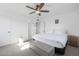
[14, 50]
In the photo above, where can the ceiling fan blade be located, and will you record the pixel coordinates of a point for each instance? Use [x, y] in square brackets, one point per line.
[44, 10]
[32, 12]
[30, 7]
[37, 6]
[41, 5]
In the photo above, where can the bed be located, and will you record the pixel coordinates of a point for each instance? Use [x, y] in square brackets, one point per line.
[59, 41]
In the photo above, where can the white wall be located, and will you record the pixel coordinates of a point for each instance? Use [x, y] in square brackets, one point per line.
[70, 21]
[16, 26]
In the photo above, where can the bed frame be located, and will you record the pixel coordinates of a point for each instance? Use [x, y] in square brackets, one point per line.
[60, 50]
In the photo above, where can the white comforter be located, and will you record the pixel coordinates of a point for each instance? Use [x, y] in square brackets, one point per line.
[55, 40]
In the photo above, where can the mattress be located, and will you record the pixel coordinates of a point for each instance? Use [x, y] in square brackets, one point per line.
[55, 40]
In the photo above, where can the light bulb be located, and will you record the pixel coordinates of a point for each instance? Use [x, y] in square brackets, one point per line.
[37, 12]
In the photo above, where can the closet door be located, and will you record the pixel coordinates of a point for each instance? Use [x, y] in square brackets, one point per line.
[4, 31]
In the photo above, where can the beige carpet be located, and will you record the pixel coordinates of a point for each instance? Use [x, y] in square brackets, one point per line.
[14, 50]
[71, 51]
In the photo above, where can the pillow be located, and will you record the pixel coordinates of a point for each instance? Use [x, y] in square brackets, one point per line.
[59, 31]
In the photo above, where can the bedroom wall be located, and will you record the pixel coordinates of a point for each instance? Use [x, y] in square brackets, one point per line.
[70, 21]
[11, 28]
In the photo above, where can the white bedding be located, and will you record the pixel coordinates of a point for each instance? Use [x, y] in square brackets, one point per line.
[55, 40]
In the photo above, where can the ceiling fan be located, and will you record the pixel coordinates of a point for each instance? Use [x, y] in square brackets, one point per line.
[38, 9]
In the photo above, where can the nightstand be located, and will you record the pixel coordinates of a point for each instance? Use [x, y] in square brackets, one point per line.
[72, 40]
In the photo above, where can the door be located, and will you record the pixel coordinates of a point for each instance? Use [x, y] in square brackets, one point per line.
[4, 31]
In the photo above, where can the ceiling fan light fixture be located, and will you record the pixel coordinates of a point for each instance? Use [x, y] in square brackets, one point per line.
[37, 12]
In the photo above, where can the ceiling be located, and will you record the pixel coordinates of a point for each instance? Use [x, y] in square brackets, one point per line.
[19, 9]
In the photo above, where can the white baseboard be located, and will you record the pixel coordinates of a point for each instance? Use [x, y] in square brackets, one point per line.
[7, 43]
